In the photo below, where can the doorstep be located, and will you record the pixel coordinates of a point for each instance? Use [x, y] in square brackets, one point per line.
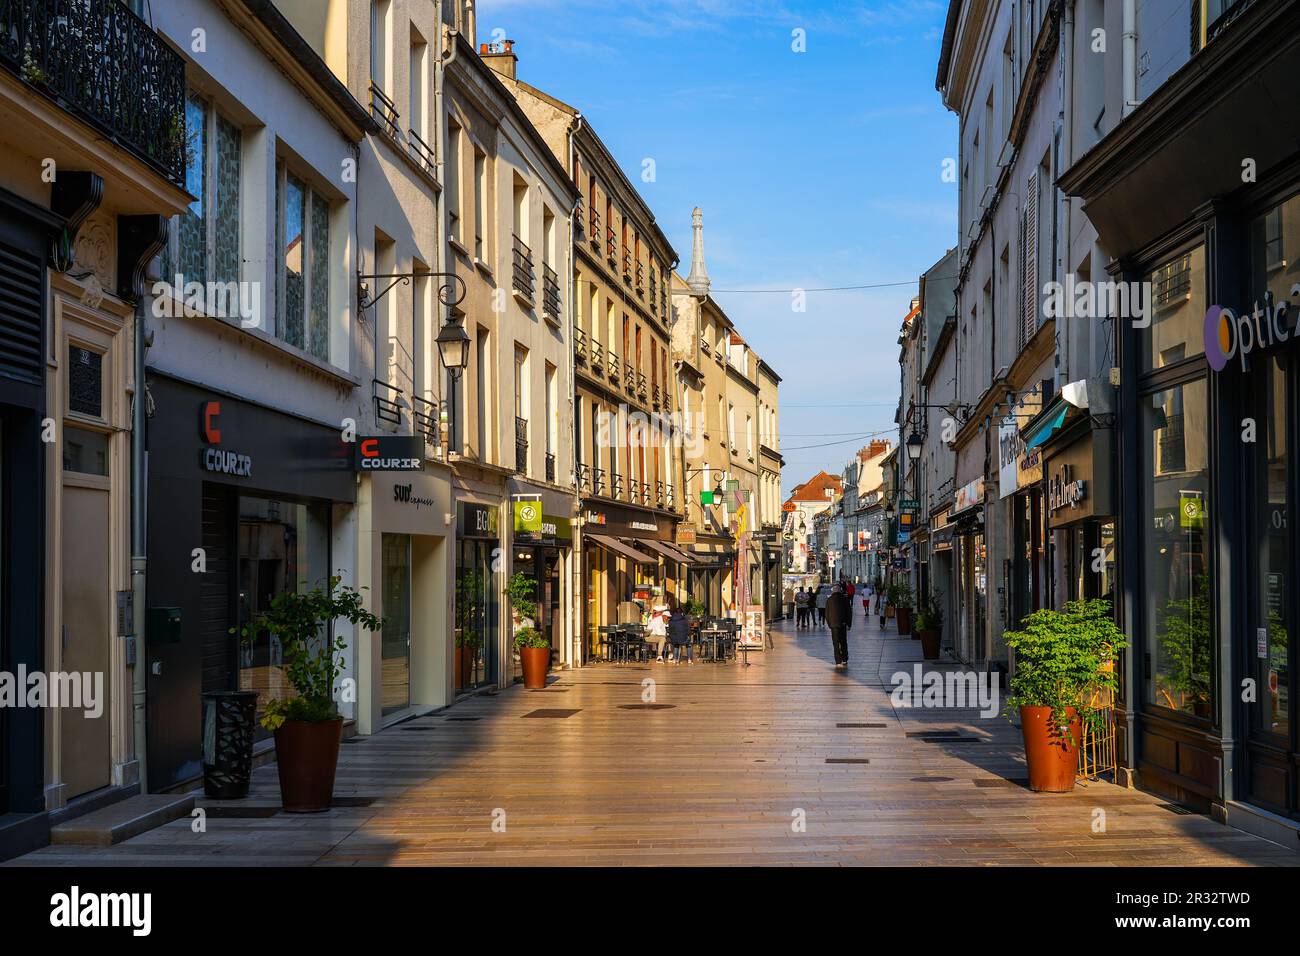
[1272, 827]
[123, 820]
[23, 832]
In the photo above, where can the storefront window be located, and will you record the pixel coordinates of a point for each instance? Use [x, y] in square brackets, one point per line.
[396, 636]
[283, 547]
[477, 614]
[1178, 613]
[1176, 311]
[1275, 252]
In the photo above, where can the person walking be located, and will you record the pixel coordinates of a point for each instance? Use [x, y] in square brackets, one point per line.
[848, 593]
[839, 619]
[800, 608]
[823, 595]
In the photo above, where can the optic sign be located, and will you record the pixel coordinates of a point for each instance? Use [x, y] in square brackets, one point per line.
[1228, 334]
[215, 459]
[390, 453]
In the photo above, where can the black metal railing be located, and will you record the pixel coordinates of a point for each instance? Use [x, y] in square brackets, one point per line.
[550, 292]
[580, 219]
[582, 474]
[598, 481]
[644, 490]
[640, 279]
[579, 345]
[627, 265]
[106, 66]
[654, 294]
[672, 504]
[1173, 445]
[615, 485]
[421, 151]
[597, 359]
[613, 366]
[550, 466]
[611, 246]
[384, 110]
[659, 493]
[641, 384]
[595, 229]
[521, 445]
[523, 278]
[654, 396]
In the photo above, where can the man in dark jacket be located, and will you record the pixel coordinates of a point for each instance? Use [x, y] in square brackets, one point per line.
[839, 619]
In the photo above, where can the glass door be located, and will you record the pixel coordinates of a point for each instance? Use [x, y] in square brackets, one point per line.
[396, 636]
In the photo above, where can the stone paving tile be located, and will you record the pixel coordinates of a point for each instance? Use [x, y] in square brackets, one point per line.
[716, 779]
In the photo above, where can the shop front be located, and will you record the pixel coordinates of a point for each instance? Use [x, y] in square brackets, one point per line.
[245, 503]
[1079, 507]
[404, 553]
[630, 563]
[543, 551]
[478, 633]
[970, 557]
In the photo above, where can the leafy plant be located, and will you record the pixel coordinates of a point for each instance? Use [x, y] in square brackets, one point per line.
[521, 589]
[1063, 658]
[695, 608]
[530, 637]
[1184, 637]
[900, 594]
[929, 613]
[313, 659]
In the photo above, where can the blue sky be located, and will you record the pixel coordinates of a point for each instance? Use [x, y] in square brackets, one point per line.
[814, 169]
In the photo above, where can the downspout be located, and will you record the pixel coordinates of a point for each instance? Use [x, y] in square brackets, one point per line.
[1066, 157]
[139, 562]
[1130, 58]
[575, 555]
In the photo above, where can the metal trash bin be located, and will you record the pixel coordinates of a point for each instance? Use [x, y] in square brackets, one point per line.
[228, 743]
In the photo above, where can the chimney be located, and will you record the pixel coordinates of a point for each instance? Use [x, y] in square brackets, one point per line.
[500, 57]
[698, 280]
[877, 448]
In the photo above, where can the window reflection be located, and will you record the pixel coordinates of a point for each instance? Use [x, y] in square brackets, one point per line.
[1177, 311]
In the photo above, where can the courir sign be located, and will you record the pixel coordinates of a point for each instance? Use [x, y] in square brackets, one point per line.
[1228, 334]
[390, 453]
[214, 458]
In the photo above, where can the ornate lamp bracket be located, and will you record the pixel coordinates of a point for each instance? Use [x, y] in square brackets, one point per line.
[450, 293]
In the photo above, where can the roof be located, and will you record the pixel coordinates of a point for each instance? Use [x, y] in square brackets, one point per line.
[815, 488]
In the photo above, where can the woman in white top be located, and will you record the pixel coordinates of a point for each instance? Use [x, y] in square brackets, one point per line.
[657, 629]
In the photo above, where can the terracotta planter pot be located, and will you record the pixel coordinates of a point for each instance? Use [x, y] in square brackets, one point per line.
[930, 643]
[307, 755]
[904, 615]
[535, 660]
[1052, 756]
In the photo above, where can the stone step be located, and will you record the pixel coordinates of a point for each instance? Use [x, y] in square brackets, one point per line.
[123, 820]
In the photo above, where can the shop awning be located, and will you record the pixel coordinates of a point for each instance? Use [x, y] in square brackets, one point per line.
[1041, 430]
[618, 547]
[667, 550]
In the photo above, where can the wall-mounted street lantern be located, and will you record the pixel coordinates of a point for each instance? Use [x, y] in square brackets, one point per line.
[453, 347]
[914, 446]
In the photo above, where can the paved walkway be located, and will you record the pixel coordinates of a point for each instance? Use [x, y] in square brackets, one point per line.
[721, 769]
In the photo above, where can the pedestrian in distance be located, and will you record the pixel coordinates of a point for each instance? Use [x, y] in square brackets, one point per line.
[801, 608]
[679, 634]
[839, 618]
[823, 595]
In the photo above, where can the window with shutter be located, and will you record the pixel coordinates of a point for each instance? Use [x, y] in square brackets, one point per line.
[1029, 261]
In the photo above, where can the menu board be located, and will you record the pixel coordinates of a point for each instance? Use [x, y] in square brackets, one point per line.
[753, 630]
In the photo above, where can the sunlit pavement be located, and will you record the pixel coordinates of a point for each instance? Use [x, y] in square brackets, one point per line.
[787, 761]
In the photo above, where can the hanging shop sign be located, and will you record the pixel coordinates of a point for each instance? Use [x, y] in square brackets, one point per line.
[968, 496]
[478, 521]
[390, 453]
[863, 536]
[629, 522]
[532, 524]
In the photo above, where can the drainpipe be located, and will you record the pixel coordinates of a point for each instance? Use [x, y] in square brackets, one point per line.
[575, 554]
[1067, 156]
[1130, 58]
[139, 676]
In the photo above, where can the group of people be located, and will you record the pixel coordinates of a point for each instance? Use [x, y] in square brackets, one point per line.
[669, 628]
[831, 606]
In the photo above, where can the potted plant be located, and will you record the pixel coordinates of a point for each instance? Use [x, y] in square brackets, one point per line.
[308, 728]
[1063, 658]
[900, 597]
[695, 610]
[929, 625]
[534, 654]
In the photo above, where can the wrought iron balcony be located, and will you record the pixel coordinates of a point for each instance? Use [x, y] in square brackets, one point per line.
[654, 396]
[627, 265]
[594, 232]
[550, 292]
[598, 481]
[550, 466]
[654, 294]
[421, 152]
[597, 359]
[522, 278]
[611, 247]
[641, 384]
[672, 504]
[384, 110]
[644, 492]
[640, 279]
[583, 475]
[579, 345]
[613, 366]
[103, 64]
[521, 445]
[580, 219]
[615, 485]
[659, 493]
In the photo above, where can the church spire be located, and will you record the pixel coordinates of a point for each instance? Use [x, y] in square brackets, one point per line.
[698, 280]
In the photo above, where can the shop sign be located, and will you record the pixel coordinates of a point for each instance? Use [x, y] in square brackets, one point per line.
[1227, 334]
[1191, 510]
[1065, 491]
[909, 504]
[390, 453]
[1029, 467]
[529, 520]
[478, 521]
[862, 540]
[213, 458]
[968, 496]
[687, 536]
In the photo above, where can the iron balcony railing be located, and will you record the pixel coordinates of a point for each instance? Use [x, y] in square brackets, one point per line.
[550, 467]
[654, 396]
[523, 279]
[597, 359]
[641, 384]
[627, 266]
[654, 295]
[640, 279]
[615, 485]
[421, 151]
[613, 366]
[582, 473]
[550, 292]
[521, 445]
[103, 64]
[659, 493]
[383, 110]
[611, 247]
[644, 489]
[580, 218]
[598, 481]
[579, 345]
[672, 505]
[594, 234]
